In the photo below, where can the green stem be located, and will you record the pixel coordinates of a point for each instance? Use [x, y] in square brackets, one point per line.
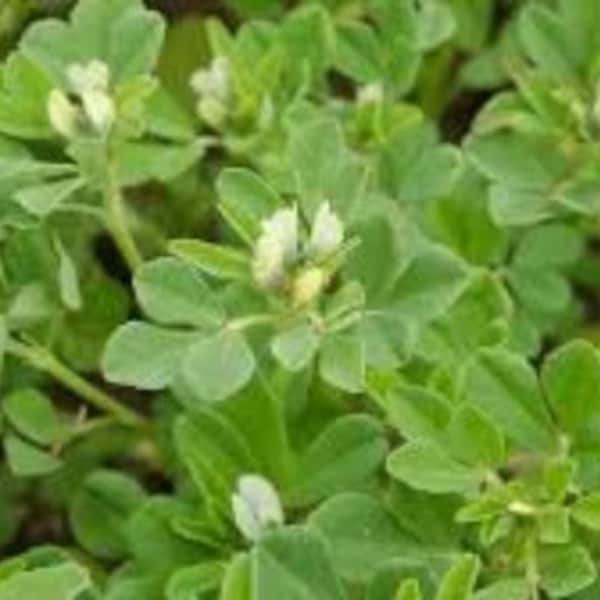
[116, 220]
[42, 359]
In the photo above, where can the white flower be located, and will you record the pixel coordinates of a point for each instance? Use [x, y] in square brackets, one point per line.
[256, 506]
[63, 115]
[268, 266]
[99, 109]
[214, 81]
[283, 226]
[90, 83]
[93, 76]
[370, 94]
[327, 233]
[276, 248]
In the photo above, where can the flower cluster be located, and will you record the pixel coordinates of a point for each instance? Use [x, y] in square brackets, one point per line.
[279, 253]
[213, 88]
[88, 104]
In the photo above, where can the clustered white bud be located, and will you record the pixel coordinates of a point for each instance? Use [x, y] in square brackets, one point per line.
[212, 86]
[327, 233]
[256, 506]
[370, 94]
[278, 250]
[90, 83]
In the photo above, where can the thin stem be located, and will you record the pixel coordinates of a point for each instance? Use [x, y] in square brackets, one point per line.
[42, 359]
[116, 220]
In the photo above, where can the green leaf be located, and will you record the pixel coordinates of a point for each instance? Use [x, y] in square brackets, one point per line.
[245, 200]
[565, 570]
[194, 582]
[172, 292]
[586, 511]
[219, 365]
[436, 24]
[342, 362]
[459, 581]
[553, 525]
[26, 460]
[430, 285]
[24, 90]
[358, 52]
[571, 380]
[505, 389]
[293, 563]
[214, 452]
[145, 356]
[474, 440]
[344, 456]
[120, 32]
[61, 582]
[509, 589]
[363, 535]
[41, 200]
[99, 512]
[409, 590]
[32, 414]
[418, 413]
[426, 467]
[219, 261]
[140, 162]
[296, 347]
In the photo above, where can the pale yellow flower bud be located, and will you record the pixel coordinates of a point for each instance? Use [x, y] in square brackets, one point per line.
[327, 233]
[308, 285]
[63, 115]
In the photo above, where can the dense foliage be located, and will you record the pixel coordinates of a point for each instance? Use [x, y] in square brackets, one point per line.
[300, 300]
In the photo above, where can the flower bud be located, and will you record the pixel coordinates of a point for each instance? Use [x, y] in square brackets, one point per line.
[256, 506]
[370, 94]
[268, 266]
[63, 115]
[93, 76]
[327, 233]
[308, 285]
[99, 109]
[214, 81]
[283, 226]
[212, 111]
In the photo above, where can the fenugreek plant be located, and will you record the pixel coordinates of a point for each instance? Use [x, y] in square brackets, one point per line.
[299, 301]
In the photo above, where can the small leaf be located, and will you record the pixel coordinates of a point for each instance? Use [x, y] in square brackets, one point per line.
[61, 582]
[505, 389]
[26, 460]
[33, 415]
[172, 292]
[586, 511]
[220, 365]
[219, 261]
[246, 200]
[571, 379]
[41, 200]
[409, 590]
[362, 534]
[459, 581]
[342, 362]
[566, 570]
[345, 455]
[474, 440]
[145, 356]
[426, 467]
[509, 589]
[295, 348]
[100, 509]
